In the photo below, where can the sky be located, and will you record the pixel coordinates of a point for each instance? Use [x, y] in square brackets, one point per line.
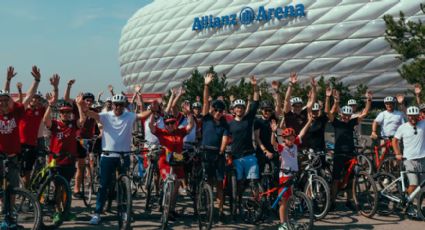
[76, 39]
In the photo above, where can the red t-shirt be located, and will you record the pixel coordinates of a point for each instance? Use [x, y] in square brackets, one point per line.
[9, 130]
[173, 142]
[29, 125]
[62, 140]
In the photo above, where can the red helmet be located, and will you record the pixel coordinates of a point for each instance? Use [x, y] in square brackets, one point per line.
[288, 132]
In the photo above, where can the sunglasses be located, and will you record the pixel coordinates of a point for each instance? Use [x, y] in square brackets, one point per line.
[416, 130]
[170, 123]
[268, 110]
[218, 110]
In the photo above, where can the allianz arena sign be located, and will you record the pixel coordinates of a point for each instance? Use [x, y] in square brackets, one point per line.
[247, 16]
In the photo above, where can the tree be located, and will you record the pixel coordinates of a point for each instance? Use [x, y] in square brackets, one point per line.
[408, 39]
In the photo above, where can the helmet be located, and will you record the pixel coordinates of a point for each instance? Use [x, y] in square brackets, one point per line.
[316, 107]
[197, 105]
[119, 98]
[266, 104]
[38, 94]
[88, 95]
[4, 93]
[97, 105]
[108, 99]
[347, 110]
[239, 102]
[352, 102]
[169, 118]
[422, 106]
[412, 110]
[296, 100]
[218, 104]
[288, 132]
[65, 106]
[389, 99]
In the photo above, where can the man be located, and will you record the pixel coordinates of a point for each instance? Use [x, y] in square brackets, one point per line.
[389, 120]
[413, 135]
[117, 132]
[215, 133]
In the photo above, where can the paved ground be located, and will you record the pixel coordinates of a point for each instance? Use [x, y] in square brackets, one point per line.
[342, 219]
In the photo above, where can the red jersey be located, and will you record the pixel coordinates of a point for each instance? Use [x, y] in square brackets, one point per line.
[173, 142]
[62, 140]
[9, 130]
[29, 125]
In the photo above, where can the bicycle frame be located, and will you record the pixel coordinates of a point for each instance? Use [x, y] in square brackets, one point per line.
[410, 197]
[351, 164]
[379, 159]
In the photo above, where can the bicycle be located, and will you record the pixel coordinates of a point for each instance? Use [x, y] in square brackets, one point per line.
[89, 181]
[385, 161]
[230, 185]
[299, 210]
[152, 173]
[363, 187]
[20, 207]
[393, 194]
[122, 187]
[137, 169]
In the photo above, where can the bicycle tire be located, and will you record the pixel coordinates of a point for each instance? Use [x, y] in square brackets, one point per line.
[166, 203]
[234, 195]
[26, 210]
[365, 163]
[48, 202]
[87, 186]
[149, 187]
[383, 180]
[252, 204]
[421, 205]
[134, 181]
[205, 206]
[319, 193]
[366, 201]
[299, 211]
[124, 202]
[389, 165]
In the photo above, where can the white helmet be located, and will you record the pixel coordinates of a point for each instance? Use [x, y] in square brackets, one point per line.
[389, 99]
[119, 98]
[347, 110]
[316, 107]
[239, 102]
[352, 102]
[108, 99]
[4, 93]
[38, 94]
[413, 110]
[296, 100]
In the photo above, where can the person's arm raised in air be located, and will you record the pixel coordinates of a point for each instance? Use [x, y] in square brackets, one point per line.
[335, 107]
[68, 91]
[368, 106]
[293, 78]
[47, 118]
[173, 92]
[80, 104]
[313, 94]
[10, 74]
[37, 76]
[20, 94]
[306, 126]
[206, 103]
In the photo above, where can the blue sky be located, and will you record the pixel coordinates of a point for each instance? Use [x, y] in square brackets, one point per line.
[76, 39]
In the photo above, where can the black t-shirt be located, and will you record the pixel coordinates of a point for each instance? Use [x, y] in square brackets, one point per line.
[344, 139]
[315, 136]
[265, 133]
[241, 132]
[213, 132]
[296, 121]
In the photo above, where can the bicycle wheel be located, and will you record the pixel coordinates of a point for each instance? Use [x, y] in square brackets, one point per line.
[233, 195]
[166, 202]
[319, 193]
[299, 211]
[55, 201]
[365, 164]
[383, 181]
[389, 165]
[124, 202]
[421, 204]
[252, 203]
[25, 211]
[205, 206]
[365, 194]
[87, 186]
[149, 187]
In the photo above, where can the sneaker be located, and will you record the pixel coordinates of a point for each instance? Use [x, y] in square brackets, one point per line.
[283, 226]
[95, 219]
[57, 218]
[412, 212]
[78, 195]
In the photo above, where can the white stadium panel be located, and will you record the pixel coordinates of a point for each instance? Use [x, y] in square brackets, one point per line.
[164, 41]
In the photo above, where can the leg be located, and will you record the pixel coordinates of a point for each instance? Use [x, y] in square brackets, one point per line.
[107, 170]
[79, 174]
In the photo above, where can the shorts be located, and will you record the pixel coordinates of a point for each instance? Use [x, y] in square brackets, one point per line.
[81, 151]
[164, 168]
[215, 165]
[340, 164]
[288, 192]
[415, 165]
[67, 171]
[247, 167]
[29, 155]
[13, 175]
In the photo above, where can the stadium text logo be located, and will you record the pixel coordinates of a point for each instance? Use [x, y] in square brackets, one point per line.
[247, 16]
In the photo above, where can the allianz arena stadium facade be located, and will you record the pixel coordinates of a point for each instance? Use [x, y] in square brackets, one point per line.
[163, 42]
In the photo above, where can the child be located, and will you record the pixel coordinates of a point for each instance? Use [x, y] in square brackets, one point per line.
[288, 152]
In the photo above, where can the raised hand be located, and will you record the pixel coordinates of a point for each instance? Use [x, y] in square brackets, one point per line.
[181, 91]
[19, 86]
[138, 88]
[313, 82]
[275, 86]
[110, 88]
[273, 125]
[418, 89]
[335, 94]
[400, 98]
[253, 80]
[328, 91]
[293, 78]
[369, 95]
[231, 98]
[79, 99]
[100, 94]
[208, 78]
[50, 98]
[198, 98]
[71, 82]
[54, 80]
[36, 73]
[173, 91]
[11, 73]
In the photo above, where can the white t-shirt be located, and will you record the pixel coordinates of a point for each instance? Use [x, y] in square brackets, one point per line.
[414, 145]
[117, 131]
[389, 122]
[289, 156]
[149, 137]
[191, 136]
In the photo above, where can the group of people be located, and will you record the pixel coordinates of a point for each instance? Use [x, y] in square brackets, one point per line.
[253, 139]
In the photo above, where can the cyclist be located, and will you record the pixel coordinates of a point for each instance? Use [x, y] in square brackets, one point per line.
[389, 120]
[62, 140]
[344, 140]
[117, 132]
[412, 133]
[108, 105]
[215, 133]
[288, 152]
[172, 139]
[197, 114]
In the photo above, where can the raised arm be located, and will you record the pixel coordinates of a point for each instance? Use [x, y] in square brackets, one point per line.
[191, 123]
[143, 114]
[256, 96]
[273, 126]
[277, 98]
[313, 94]
[328, 100]
[80, 104]
[68, 91]
[20, 94]
[37, 76]
[170, 100]
[400, 101]
[335, 107]
[174, 108]
[418, 90]
[47, 118]
[206, 104]
[368, 105]
[306, 126]
[99, 95]
[111, 90]
[54, 81]
[152, 125]
[10, 74]
[293, 78]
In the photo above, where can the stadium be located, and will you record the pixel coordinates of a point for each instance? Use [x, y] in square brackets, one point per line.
[163, 42]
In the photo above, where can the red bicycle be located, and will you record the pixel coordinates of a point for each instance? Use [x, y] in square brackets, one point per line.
[384, 161]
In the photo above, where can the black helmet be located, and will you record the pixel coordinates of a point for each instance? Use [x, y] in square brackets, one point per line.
[88, 95]
[218, 104]
[266, 104]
